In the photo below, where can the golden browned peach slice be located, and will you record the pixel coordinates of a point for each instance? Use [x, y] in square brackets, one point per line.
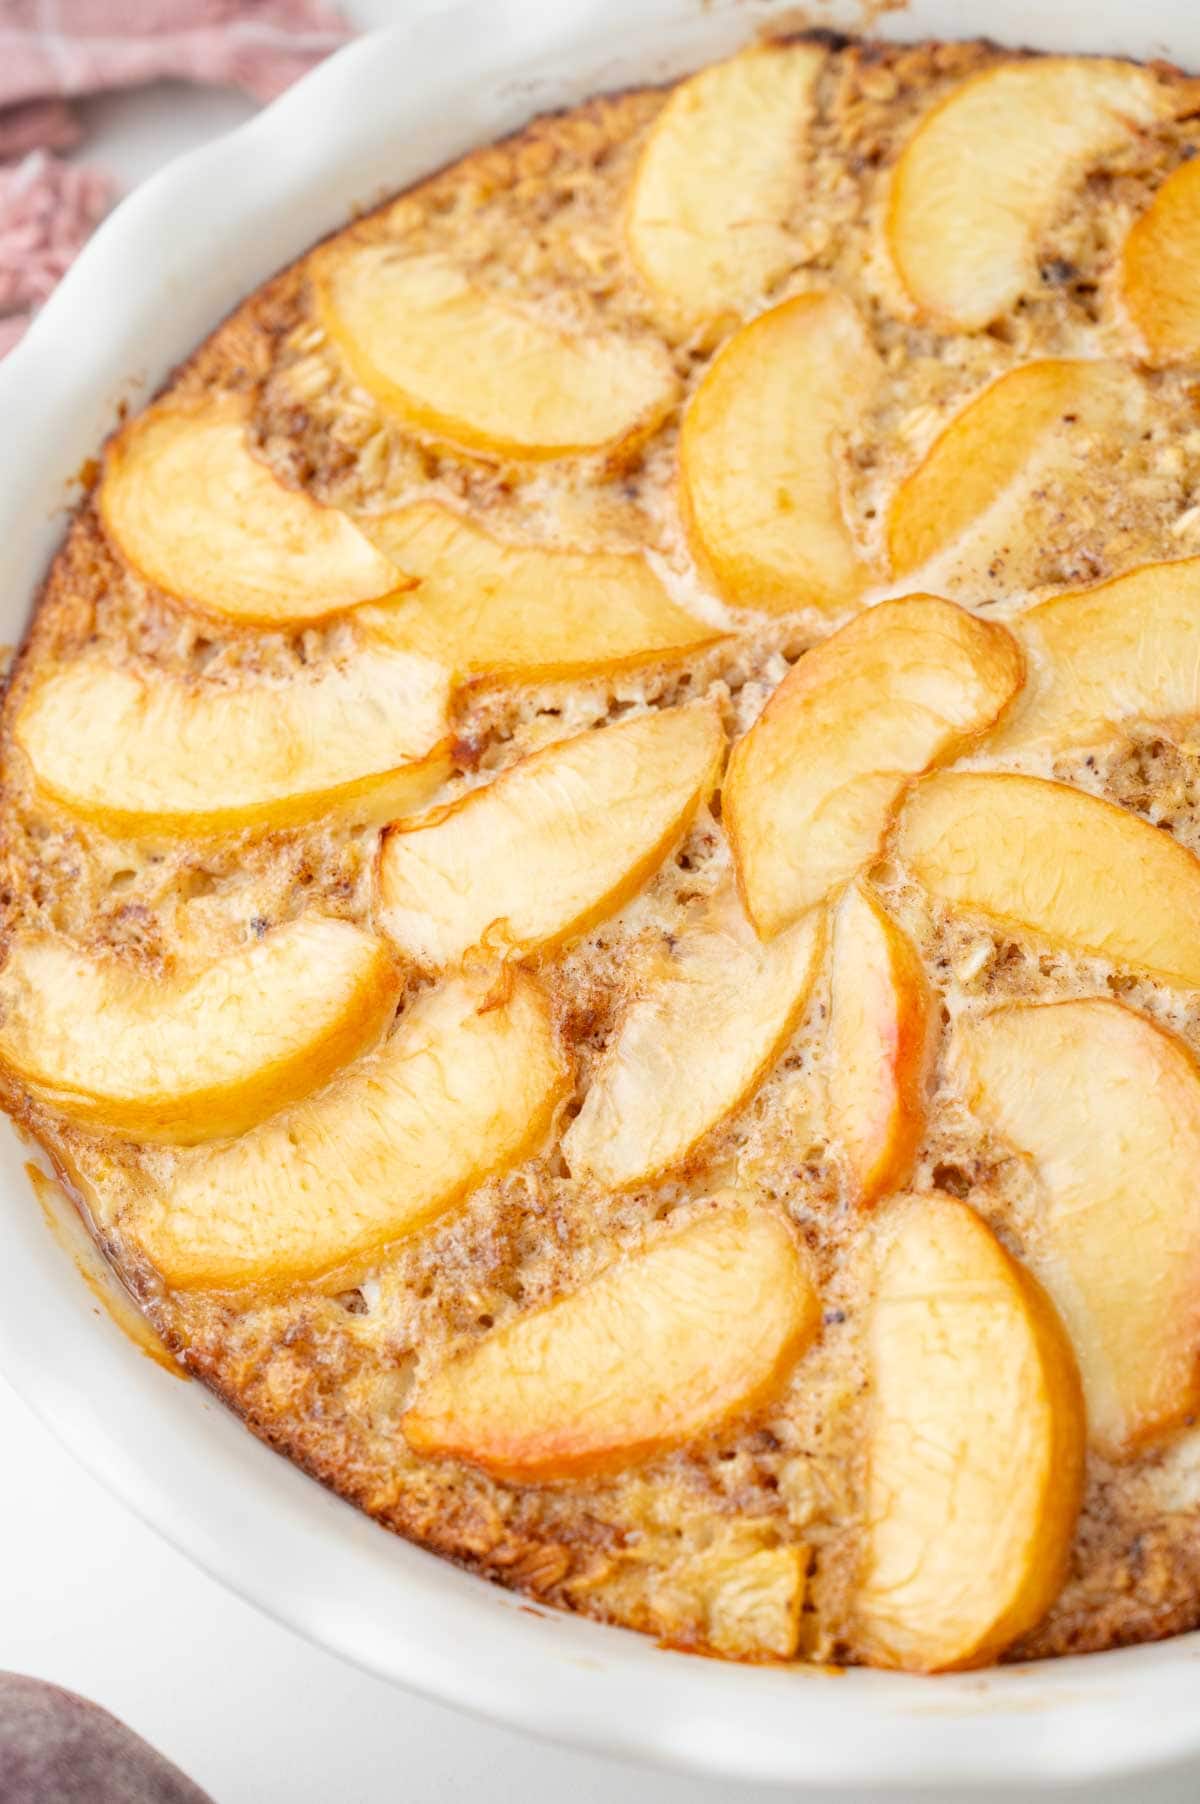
[810, 789]
[468, 1085]
[757, 457]
[1159, 269]
[1047, 859]
[880, 1033]
[666, 1344]
[194, 1055]
[994, 451]
[1107, 1106]
[975, 1445]
[484, 608]
[716, 181]
[987, 169]
[471, 366]
[196, 512]
[1127, 650]
[702, 1032]
[144, 753]
[554, 844]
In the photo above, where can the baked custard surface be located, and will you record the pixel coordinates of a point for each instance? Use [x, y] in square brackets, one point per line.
[807, 1038]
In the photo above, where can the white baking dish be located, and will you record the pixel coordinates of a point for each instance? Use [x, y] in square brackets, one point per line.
[156, 278]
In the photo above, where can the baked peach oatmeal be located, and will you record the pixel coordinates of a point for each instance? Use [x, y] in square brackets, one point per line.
[600, 829]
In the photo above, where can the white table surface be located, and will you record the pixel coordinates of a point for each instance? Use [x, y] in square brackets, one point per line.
[92, 1599]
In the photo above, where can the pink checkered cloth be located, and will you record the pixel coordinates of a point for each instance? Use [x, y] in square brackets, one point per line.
[53, 50]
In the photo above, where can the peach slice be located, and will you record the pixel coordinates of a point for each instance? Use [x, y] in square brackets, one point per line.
[757, 457]
[193, 509]
[144, 753]
[470, 366]
[1107, 1106]
[994, 450]
[554, 844]
[1159, 269]
[197, 1054]
[1046, 859]
[694, 1044]
[468, 1085]
[716, 181]
[880, 1040]
[484, 608]
[665, 1345]
[1126, 650]
[975, 1446]
[811, 788]
[989, 166]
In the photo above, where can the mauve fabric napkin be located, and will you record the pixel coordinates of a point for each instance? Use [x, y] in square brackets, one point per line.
[52, 50]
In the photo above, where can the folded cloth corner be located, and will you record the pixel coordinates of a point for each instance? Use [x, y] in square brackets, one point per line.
[52, 54]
